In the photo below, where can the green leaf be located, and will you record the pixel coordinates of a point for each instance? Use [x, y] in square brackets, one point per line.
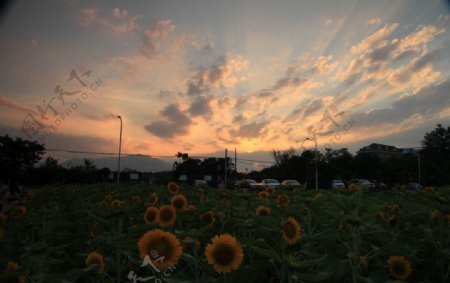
[269, 253]
[318, 277]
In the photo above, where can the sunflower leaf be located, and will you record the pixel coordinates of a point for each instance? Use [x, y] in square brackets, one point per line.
[269, 253]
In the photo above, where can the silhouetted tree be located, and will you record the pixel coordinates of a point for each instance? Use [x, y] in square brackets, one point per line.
[17, 155]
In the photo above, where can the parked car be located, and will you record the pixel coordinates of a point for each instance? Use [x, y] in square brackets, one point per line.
[337, 184]
[366, 183]
[201, 184]
[290, 183]
[270, 183]
[413, 186]
[247, 183]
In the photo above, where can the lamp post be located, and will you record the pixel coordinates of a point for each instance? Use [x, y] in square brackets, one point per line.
[315, 157]
[120, 147]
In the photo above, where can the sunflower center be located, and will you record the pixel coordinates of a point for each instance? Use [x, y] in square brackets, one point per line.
[263, 212]
[151, 215]
[161, 246]
[166, 215]
[223, 254]
[289, 230]
[178, 203]
[398, 268]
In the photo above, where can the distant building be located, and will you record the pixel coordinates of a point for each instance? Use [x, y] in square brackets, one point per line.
[385, 151]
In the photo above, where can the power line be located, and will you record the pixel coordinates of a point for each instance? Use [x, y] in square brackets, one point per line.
[239, 160]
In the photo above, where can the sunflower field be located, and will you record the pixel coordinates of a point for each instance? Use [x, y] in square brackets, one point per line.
[143, 233]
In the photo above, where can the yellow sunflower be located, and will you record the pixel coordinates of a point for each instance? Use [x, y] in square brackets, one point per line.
[283, 200]
[263, 195]
[151, 216]
[394, 207]
[352, 187]
[153, 199]
[270, 190]
[224, 253]
[180, 202]
[429, 189]
[11, 266]
[191, 207]
[399, 267]
[136, 198]
[173, 188]
[117, 203]
[292, 231]
[208, 217]
[96, 258]
[167, 215]
[3, 218]
[163, 248]
[434, 214]
[318, 196]
[263, 210]
[20, 211]
[363, 262]
[108, 197]
[2, 233]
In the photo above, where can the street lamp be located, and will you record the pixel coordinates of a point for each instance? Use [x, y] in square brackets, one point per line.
[315, 157]
[120, 146]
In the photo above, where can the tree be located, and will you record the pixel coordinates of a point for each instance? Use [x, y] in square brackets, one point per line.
[17, 155]
[436, 151]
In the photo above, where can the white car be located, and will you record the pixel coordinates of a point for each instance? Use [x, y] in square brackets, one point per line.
[201, 184]
[270, 183]
[337, 184]
[290, 183]
[366, 183]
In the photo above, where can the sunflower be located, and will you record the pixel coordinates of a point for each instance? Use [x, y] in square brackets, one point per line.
[434, 214]
[117, 203]
[352, 188]
[318, 196]
[153, 199]
[3, 218]
[167, 215]
[2, 233]
[173, 188]
[399, 267]
[204, 199]
[104, 203]
[283, 200]
[224, 253]
[160, 244]
[20, 211]
[429, 189]
[394, 207]
[291, 231]
[151, 216]
[263, 195]
[96, 258]
[108, 197]
[11, 266]
[191, 207]
[208, 217]
[270, 190]
[136, 198]
[180, 202]
[363, 264]
[263, 210]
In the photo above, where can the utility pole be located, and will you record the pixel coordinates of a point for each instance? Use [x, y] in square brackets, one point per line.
[120, 147]
[226, 157]
[235, 162]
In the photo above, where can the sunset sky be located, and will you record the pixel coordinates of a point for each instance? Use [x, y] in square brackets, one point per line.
[202, 76]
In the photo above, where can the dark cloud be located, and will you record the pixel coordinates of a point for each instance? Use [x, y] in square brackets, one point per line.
[175, 123]
[251, 130]
[238, 118]
[289, 81]
[384, 52]
[313, 107]
[427, 102]
[201, 107]
[8, 103]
